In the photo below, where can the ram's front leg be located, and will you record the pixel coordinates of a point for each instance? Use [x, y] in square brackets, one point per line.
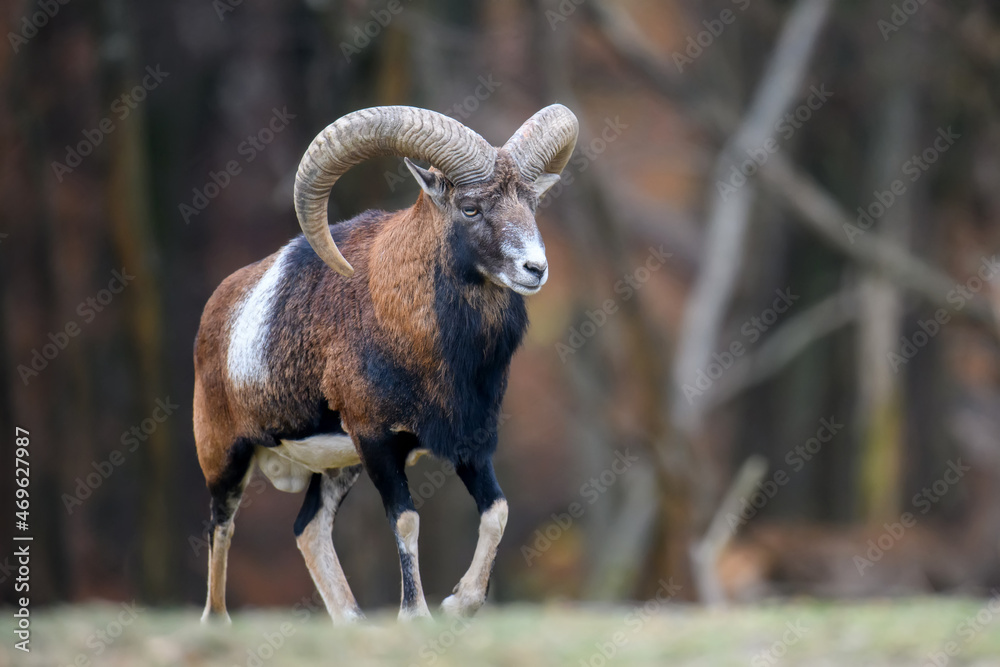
[385, 462]
[470, 593]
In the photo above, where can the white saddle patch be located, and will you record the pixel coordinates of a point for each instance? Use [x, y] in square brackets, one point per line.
[290, 465]
[250, 327]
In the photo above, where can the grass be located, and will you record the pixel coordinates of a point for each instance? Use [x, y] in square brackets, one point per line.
[898, 632]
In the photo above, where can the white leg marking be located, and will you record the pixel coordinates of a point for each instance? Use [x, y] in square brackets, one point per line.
[407, 533]
[218, 559]
[316, 545]
[218, 555]
[470, 593]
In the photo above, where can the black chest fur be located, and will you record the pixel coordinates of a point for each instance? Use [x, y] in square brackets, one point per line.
[478, 341]
[458, 423]
[480, 326]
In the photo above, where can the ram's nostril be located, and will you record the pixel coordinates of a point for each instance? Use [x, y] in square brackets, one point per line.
[536, 269]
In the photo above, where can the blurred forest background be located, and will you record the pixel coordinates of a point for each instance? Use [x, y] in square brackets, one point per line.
[771, 297]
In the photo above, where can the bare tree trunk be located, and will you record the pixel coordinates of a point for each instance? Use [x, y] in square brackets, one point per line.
[813, 206]
[130, 213]
[729, 212]
[619, 536]
[880, 395]
[729, 217]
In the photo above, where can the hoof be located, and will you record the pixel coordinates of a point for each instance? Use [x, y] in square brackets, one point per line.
[348, 618]
[212, 618]
[457, 607]
[412, 614]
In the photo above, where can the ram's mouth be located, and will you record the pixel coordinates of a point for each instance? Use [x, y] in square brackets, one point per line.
[526, 289]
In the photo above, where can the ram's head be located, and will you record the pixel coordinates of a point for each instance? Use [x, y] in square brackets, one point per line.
[488, 194]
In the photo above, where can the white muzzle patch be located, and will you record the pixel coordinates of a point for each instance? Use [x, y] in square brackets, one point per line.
[529, 267]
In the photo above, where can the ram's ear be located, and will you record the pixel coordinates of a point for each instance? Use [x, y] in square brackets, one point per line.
[544, 182]
[433, 185]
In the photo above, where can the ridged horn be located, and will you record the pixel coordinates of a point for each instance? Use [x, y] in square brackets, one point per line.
[462, 156]
[545, 142]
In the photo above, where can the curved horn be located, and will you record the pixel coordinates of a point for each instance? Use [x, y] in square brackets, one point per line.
[545, 142]
[462, 156]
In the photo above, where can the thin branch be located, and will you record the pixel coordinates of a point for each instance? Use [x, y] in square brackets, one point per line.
[729, 213]
[784, 345]
[705, 553]
[821, 213]
[617, 27]
[815, 207]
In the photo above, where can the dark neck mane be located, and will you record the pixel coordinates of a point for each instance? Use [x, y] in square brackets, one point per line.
[447, 313]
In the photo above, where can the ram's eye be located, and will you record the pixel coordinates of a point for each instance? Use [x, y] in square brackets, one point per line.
[470, 211]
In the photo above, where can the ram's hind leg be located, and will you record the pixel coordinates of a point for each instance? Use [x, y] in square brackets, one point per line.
[313, 534]
[227, 491]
